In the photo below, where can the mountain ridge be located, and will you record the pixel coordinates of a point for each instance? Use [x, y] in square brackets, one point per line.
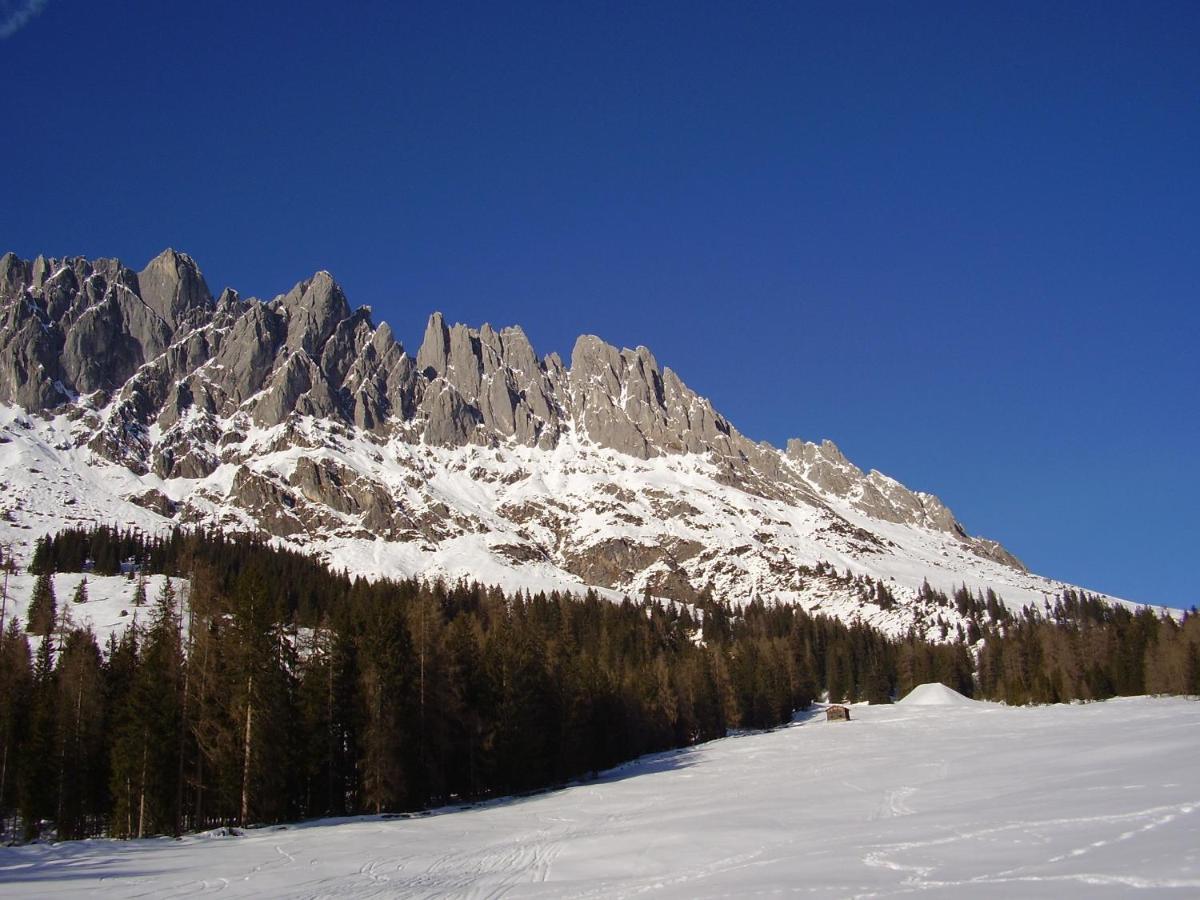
[301, 418]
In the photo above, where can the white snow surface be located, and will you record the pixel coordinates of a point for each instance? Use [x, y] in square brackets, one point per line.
[934, 693]
[110, 600]
[1096, 800]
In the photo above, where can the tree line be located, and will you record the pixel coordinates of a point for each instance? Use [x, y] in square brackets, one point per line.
[1083, 648]
[282, 689]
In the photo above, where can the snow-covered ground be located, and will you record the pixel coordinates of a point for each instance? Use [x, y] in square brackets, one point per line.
[946, 800]
[110, 600]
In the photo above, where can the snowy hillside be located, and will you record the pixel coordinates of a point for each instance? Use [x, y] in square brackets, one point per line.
[567, 518]
[139, 400]
[1096, 800]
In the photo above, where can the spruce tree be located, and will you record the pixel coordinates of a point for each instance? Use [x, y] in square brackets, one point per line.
[16, 683]
[470, 699]
[38, 786]
[261, 699]
[41, 564]
[139, 591]
[144, 760]
[9, 568]
[43, 606]
[384, 654]
[122, 730]
[79, 752]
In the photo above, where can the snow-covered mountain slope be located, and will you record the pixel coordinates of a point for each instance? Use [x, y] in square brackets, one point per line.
[1096, 800]
[520, 517]
[135, 398]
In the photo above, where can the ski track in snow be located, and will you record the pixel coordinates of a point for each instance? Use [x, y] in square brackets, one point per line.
[1095, 800]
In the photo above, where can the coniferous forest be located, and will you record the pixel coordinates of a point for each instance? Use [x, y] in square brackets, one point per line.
[283, 690]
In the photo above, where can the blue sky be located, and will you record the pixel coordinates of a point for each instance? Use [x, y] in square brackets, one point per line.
[961, 240]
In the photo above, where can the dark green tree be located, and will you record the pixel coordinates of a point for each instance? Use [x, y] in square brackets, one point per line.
[38, 783]
[16, 684]
[43, 606]
[80, 751]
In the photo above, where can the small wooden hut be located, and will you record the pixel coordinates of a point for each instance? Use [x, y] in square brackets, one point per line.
[837, 713]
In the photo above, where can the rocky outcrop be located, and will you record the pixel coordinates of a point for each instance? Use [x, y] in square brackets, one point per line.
[328, 484]
[490, 379]
[71, 327]
[172, 286]
[622, 400]
[156, 501]
[29, 347]
[271, 504]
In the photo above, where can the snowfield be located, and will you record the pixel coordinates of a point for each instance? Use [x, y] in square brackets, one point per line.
[940, 800]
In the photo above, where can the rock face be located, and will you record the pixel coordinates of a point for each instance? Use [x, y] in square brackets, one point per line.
[172, 286]
[623, 400]
[170, 383]
[485, 384]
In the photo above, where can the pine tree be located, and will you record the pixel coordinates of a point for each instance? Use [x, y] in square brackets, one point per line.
[122, 728]
[80, 746]
[43, 607]
[9, 568]
[81, 592]
[16, 682]
[145, 763]
[433, 698]
[38, 787]
[139, 591]
[40, 563]
[262, 699]
[207, 725]
[838, 679]
[470, 697]
[384, 654]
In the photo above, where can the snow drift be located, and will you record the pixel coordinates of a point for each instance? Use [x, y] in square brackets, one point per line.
[934, 693]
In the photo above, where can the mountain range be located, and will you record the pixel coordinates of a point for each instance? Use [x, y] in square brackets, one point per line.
[138, 398]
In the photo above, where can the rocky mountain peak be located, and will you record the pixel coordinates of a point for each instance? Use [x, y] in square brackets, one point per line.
[623, 400]
[312, 310]
[14, 273]
[434, 353]
[173, 286]
[485, 384]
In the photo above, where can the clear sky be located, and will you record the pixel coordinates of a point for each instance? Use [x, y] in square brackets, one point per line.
[960, 239]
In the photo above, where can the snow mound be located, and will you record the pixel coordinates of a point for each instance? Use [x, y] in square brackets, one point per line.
[934, 693]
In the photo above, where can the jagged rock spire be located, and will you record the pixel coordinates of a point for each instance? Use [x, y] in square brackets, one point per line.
[172, 286]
